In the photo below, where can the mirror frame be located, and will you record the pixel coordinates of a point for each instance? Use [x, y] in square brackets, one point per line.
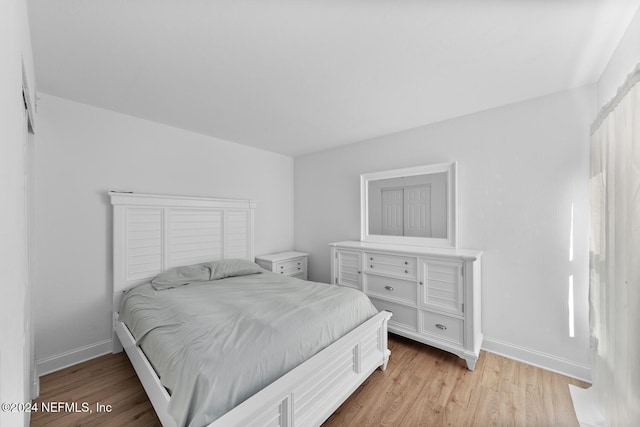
[452, 206]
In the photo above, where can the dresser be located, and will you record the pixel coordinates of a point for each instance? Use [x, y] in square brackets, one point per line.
[287, 263]
[434, 294]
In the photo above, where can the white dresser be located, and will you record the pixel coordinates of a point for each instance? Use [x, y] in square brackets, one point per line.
[434, 294]
[287, 263]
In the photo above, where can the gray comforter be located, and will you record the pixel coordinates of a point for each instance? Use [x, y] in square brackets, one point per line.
[215, 344]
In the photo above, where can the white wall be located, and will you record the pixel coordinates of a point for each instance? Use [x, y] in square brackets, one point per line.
[15, 355]
[624, 60]
[82, 153]
[520, 169]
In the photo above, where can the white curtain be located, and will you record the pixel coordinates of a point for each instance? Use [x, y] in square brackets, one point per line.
[615, 255]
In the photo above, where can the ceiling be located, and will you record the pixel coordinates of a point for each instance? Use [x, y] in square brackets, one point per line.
[300, 76]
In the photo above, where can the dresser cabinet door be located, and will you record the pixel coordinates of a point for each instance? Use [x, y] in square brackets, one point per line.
[441, 286]
[348, 269]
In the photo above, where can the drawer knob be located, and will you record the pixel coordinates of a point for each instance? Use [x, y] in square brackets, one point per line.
[389, 288]
[282, 272]
[441, 326]
[406, 271]
[359, 272]
[298, 263]
[421, 283]
[299, 268]
[406, 263]
[282, 266]
[371, 266]
[371, 259]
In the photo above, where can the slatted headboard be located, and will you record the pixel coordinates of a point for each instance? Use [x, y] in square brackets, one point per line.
[152, 233]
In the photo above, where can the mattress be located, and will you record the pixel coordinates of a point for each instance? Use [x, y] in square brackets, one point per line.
[214, 344]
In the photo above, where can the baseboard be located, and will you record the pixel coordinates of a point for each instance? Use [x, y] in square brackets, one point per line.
[539, 359]
[73, 357]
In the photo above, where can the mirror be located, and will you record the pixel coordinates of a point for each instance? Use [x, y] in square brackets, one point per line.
[411, 206]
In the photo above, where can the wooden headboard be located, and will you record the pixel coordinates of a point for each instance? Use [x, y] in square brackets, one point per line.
[152, 233]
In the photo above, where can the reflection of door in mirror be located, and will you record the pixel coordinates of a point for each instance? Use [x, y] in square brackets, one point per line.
[411, 206]
[406, 211]
[392, 211]
[417, 211]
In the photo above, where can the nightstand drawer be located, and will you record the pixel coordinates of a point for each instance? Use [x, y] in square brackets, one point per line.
[291, 267]
[292, 264]
[444, 327]
[394, 265]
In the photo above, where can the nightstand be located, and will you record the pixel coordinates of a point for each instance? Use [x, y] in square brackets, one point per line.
[292, 264]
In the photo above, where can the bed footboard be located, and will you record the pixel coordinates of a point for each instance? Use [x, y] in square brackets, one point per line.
[309, 394]
[305, 396]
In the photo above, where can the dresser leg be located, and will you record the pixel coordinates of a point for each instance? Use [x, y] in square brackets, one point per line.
[471, 362]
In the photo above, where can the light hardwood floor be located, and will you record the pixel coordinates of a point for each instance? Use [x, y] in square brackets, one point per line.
[422, 386]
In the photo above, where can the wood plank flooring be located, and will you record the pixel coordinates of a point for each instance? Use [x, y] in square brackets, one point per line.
[107, 380]
[422, 386]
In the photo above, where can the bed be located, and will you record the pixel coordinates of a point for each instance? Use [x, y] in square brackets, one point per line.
[154, 234]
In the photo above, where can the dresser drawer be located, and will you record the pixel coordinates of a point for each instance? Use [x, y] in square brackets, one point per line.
[388, 264]
[443, 327]
[387, 287]
[403, 316]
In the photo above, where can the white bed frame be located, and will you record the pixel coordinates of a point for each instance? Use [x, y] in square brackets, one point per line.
[152, 233]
